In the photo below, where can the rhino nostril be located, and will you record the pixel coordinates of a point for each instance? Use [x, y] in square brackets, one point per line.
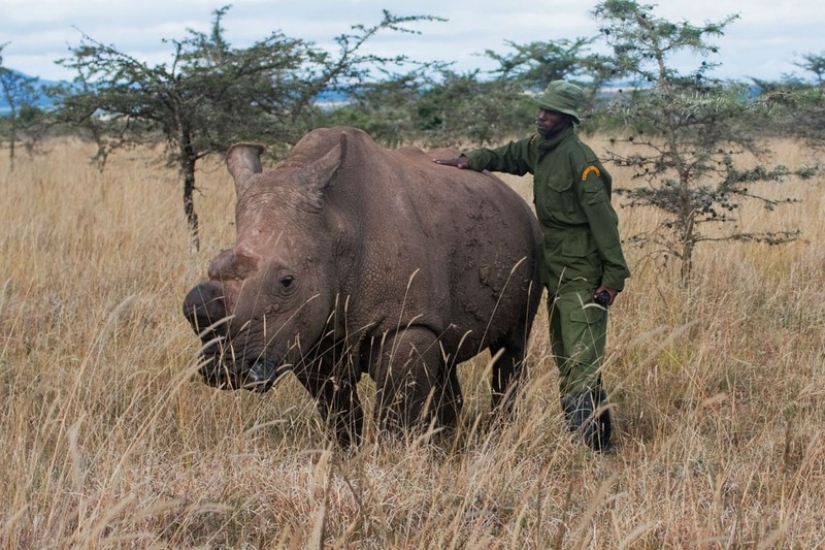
[204, 305]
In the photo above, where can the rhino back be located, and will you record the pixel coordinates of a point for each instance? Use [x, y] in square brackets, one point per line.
[426, 244]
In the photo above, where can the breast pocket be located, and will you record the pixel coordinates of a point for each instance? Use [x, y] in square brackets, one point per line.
[556, 200]
[563, 189]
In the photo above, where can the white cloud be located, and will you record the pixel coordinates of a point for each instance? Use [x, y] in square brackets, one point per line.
[764, 42]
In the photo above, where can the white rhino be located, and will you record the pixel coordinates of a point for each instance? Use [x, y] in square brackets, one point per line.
[350, 259]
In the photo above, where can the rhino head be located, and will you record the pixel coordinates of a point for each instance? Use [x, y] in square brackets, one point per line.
[267, 300]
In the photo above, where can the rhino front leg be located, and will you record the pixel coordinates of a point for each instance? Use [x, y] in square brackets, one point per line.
[412, 383]
[337, 400]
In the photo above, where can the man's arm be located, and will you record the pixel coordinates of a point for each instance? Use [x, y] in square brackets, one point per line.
[604, 226]
[511, 158]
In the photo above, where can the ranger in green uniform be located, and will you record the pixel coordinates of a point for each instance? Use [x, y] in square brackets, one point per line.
[584, 268]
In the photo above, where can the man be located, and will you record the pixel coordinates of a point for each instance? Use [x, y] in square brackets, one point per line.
[584, 267]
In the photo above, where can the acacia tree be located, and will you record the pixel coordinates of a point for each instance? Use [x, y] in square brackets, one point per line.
[211, 94]
[814, 63]
[534, 65]
[382, 108]
[685, 131]
[461, 107]
[805, 107]
[20, 93]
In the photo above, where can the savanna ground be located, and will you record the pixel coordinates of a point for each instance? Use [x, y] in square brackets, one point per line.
[107, 440]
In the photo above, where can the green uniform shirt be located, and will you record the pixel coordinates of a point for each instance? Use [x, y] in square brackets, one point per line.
[571, 191]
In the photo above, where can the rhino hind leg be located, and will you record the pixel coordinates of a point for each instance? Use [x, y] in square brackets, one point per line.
[508, 373]
[412, 386]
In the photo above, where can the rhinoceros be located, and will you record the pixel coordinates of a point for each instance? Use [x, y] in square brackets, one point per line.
[351, 258]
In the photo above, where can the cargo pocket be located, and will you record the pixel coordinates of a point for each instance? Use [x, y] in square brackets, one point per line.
[590, 314]
[585, 344]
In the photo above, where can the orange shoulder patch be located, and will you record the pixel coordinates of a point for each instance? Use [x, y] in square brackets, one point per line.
[589, 170]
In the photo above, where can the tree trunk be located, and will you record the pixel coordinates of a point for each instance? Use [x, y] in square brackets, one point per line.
[188, 158]
[687, 222]
[688, 243]
[188, 168]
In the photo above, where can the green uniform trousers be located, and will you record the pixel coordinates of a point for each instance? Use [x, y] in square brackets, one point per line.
[578, 331]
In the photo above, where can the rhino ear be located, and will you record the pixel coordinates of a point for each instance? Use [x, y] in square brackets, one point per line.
[317, 176]
[244, 161]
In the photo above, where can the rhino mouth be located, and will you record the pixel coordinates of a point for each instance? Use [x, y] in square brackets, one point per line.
[258, 375]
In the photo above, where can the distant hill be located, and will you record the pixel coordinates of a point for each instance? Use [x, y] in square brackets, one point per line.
[324, 99]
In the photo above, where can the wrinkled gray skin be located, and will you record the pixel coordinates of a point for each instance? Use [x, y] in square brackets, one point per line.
[354, 259]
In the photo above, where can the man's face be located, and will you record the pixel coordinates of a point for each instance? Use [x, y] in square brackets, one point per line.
[549, 123]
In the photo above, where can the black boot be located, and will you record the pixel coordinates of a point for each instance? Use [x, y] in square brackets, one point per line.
[604, 442]
[579, 412]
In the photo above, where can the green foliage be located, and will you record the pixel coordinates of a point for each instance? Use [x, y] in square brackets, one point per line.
[382, 109]
[794, 107]
[462, 108]
[439, 111]
[808, 115]
[535, 65]
[687, 129]
[814, 63]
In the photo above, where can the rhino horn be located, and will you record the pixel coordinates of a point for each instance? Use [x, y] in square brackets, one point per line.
[244, 161]
[316, 175]
[233, 264]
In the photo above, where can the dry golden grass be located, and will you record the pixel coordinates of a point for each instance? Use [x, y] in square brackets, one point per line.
[107, 441]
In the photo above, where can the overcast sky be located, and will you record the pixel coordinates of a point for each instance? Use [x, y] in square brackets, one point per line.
[765, 42]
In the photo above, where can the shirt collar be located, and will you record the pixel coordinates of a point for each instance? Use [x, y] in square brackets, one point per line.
[548, 144]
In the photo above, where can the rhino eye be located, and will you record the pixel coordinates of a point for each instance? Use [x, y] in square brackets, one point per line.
[287, 282]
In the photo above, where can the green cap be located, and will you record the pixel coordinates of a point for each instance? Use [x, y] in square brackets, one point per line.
[561, 97]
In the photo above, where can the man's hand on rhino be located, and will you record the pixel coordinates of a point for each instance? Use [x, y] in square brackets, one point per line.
[458, 162]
